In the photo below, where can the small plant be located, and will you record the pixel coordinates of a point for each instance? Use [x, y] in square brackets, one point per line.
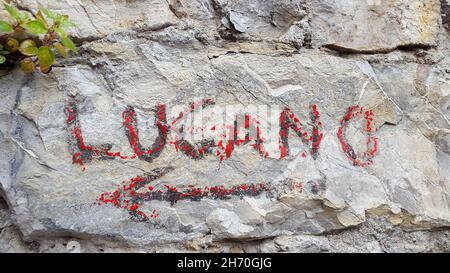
[32, 39]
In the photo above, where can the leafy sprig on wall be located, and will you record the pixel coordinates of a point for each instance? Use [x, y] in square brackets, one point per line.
[33, 39]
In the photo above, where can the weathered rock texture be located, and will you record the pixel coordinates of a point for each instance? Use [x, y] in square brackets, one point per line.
[388, 57]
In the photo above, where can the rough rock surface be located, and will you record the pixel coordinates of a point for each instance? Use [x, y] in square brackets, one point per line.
[356, 25]
[391, 58]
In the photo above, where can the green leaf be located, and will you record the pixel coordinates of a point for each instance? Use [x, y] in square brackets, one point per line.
[5, 27]
[60, 32]
[26, 15]
[46, 58]
[68, 24]
[46, 70]
[49, 14]
[2, 51]
[27, 65]
[12, 44]
[35, 27]
[12, 11]
[61, 50]
[67, 42]
[28, 48]
[2, 59]
[41, 18]
[60, 18]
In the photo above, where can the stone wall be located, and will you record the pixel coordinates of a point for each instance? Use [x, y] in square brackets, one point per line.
[359, 162]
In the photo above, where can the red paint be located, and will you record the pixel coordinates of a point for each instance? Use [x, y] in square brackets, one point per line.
[79, 148]
[127, 197]
[81, 151]
[224, 148]
[288, 120]
[297, 186]
[198, 150]
[366, 158]
[282, 151]
[229, 148]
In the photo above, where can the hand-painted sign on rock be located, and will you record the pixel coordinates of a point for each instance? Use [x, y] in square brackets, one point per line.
[231, 129]
[239, 146]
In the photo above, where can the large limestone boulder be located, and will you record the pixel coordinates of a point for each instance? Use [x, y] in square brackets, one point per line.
[91, 151]
[375, 25]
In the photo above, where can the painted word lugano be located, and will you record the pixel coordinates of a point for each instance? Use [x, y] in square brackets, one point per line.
[233, 135]
[243, 129]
